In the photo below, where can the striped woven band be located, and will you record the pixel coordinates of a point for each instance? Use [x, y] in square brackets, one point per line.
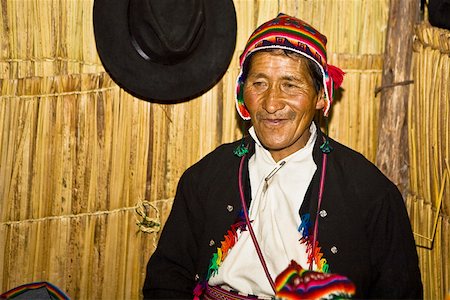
[297, 283]
[289, 33]
[224, 293]
[25, 291]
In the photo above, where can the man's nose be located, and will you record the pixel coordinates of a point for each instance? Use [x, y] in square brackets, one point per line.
[273, 99]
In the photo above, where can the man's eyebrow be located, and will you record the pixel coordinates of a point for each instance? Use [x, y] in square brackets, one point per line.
[257, 75]
[285, 77]
[291, 78]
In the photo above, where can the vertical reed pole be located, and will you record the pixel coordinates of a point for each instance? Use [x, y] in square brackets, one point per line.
[392, 150]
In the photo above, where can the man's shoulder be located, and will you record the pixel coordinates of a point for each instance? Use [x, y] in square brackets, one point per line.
[345, 153]
[354, 167]
[219, 159]
[223, 151]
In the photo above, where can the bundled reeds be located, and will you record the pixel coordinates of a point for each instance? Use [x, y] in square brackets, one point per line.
[72, 174]
[429, 156]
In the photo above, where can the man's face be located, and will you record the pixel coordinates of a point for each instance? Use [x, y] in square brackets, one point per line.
[280, 97]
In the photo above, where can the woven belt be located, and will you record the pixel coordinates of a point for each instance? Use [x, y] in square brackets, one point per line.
[216, 293]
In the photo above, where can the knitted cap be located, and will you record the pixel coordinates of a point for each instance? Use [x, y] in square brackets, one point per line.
[290, 33]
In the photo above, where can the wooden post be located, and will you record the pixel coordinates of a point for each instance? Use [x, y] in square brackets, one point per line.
[392, 150]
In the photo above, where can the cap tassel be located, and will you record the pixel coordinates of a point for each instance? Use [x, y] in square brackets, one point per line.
[337, 75]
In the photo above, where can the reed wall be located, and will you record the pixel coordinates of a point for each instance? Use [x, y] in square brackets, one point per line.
[88, 173]
[428, 201]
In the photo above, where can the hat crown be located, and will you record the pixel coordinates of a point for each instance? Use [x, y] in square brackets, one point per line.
[166, 32]
[285, 30]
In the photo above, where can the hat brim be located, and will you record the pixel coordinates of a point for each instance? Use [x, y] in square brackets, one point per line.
[157, 82]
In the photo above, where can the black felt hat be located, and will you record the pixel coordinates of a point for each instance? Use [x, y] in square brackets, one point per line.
[165, 50]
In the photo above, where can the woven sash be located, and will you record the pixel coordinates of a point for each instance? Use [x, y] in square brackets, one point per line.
[216, 293]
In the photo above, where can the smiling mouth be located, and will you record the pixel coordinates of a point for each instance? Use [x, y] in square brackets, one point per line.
[273, 122]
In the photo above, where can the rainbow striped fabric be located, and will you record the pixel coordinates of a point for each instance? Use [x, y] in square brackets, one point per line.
[28, 291]
[290, 33]
[298, 283]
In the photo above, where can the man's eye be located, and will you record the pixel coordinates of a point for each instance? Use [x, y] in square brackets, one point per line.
[259, 83]
[289, 85]
[259, 86]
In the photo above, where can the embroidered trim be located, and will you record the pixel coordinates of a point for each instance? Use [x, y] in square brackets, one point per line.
[241, 150]
[317, 256]
[230, 239]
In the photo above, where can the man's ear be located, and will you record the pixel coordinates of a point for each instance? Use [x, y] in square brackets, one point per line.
[321, 99]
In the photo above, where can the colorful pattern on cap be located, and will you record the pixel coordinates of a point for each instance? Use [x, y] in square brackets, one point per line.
[290, 33]
[297, 283]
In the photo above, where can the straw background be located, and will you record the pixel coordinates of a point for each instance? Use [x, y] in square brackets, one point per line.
[428, 201]
[79, 156]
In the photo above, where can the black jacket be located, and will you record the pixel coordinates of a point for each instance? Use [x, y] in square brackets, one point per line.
[366, 222]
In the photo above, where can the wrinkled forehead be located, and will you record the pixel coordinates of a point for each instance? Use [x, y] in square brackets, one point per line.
[263, 61]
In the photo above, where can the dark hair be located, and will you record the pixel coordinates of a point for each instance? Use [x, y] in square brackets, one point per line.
[313, 68]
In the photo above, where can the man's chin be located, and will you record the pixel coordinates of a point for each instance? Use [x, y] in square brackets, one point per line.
[274, 146]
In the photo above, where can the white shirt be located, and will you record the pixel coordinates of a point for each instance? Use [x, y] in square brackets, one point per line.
[274, 212]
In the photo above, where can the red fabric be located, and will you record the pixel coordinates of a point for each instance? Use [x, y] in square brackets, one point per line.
[337, 75]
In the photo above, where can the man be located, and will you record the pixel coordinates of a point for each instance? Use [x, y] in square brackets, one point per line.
[287, 194]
